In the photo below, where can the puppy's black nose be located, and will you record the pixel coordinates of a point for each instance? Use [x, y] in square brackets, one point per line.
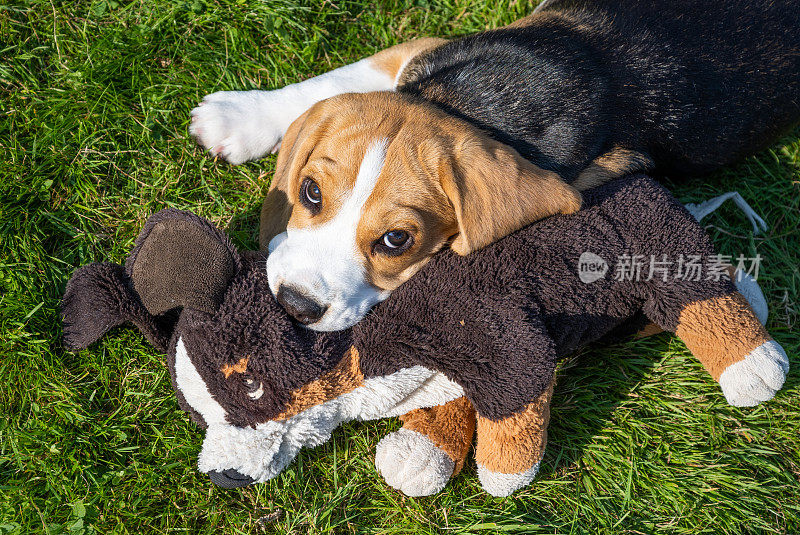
[230, 479]
[302, 308]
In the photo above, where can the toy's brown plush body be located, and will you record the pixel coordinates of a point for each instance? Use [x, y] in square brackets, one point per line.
[477, 334]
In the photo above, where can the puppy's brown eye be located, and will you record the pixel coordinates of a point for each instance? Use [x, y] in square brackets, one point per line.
[394, 242]
[311, 195]
[395, 238]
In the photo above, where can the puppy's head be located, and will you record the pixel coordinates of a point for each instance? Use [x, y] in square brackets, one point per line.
[379, 182]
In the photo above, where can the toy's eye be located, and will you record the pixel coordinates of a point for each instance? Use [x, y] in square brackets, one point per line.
[254, 388]
[311, 195]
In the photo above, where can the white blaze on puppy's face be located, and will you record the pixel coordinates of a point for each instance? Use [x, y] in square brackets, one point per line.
[380, 212]
[324, 262]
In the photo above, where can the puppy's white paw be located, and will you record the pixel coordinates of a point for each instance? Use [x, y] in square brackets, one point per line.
[501, 485]
[241, 125]
[756, 378]
[410, 462]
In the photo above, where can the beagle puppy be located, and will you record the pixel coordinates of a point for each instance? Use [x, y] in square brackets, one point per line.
[433, 144]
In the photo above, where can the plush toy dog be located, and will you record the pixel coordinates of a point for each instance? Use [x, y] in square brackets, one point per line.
[476, 334]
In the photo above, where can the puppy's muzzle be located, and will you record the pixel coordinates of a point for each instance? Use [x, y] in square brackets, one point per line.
[301, 307]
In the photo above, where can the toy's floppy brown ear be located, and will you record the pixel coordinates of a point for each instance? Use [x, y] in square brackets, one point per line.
[98, 298]
[181, 261]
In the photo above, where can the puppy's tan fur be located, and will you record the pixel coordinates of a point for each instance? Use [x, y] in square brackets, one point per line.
[393, 60]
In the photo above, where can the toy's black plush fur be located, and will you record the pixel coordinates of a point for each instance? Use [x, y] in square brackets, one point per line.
[690, 85]
[495, 321]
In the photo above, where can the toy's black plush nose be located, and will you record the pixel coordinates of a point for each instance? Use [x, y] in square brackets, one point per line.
[302, 308]
[230, 479]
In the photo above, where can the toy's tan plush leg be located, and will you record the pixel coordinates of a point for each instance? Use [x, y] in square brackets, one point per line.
[509, 450]
[727, 337]
[420, 458]
[745, 285]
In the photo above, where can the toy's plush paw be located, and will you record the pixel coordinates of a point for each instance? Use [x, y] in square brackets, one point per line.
[240, 125]
[501, 485]
[756, 378]
[410, 462]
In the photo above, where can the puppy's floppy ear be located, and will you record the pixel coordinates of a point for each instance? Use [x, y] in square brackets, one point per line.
[307, 131]
[277, 207]
[495, 191]
[181, 261]
[296, 148]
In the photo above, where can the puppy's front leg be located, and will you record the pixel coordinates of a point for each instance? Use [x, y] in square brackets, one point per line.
[420, 458]
[509, 450]
[245, 125]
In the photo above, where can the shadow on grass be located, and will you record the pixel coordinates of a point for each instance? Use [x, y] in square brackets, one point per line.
[243, 228]
[591, 385]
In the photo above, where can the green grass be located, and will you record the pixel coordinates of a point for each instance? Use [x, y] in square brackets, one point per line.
[94, 100]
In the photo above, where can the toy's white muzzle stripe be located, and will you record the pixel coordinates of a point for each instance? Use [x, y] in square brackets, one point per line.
[194, 389]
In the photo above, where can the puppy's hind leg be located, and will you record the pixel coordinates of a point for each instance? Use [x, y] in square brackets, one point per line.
[613, 164]
[245, 125]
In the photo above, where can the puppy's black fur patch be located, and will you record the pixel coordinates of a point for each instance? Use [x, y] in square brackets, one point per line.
[692, 85]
